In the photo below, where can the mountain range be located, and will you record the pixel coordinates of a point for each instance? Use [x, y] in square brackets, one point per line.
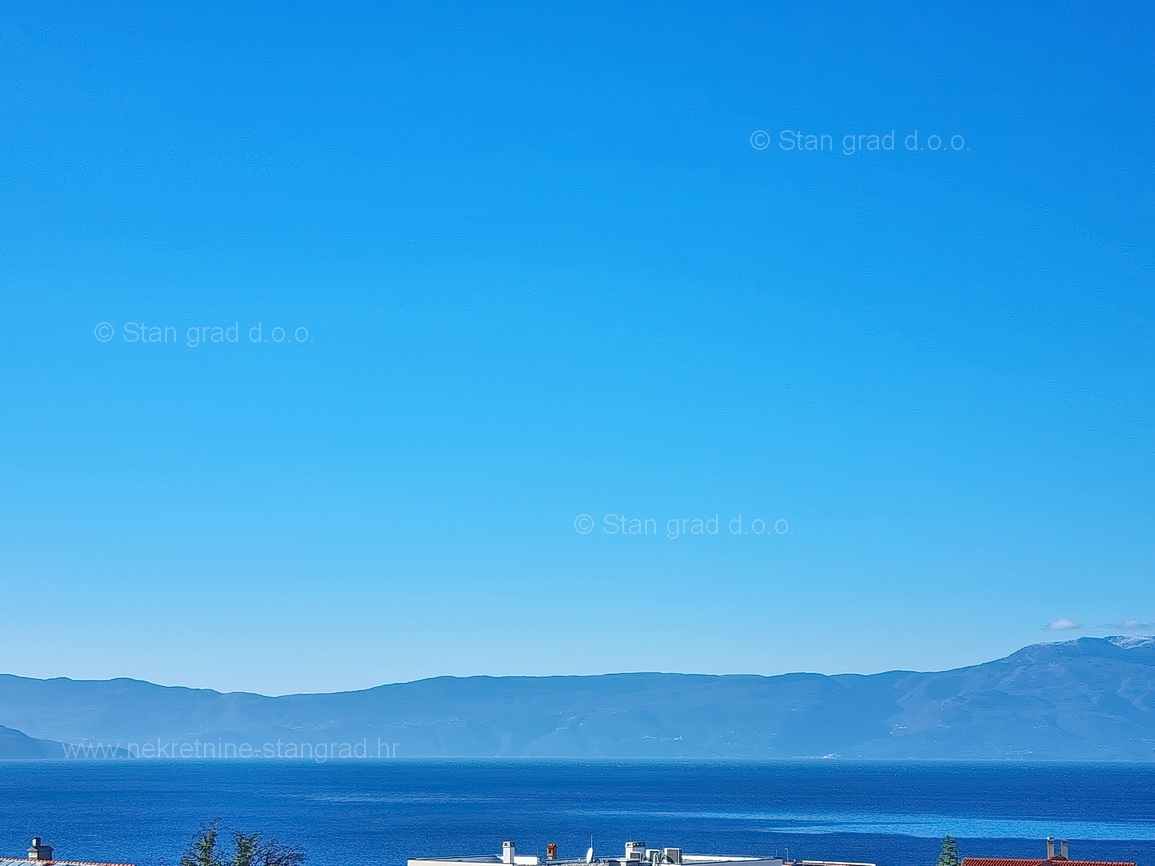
[1079, 700]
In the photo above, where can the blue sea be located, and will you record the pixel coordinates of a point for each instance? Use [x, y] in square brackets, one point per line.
[383, 812]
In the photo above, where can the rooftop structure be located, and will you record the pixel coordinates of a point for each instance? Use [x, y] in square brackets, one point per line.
[1053, 858]
[636, 854]
[40, 854]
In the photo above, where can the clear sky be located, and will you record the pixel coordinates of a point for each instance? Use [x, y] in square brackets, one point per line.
[538, 271]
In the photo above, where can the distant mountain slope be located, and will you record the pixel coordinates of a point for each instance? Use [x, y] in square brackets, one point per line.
[16, 745]
[1088, 699]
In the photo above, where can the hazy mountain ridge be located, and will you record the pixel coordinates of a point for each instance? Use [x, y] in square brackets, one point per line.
[1087, 699]
[18, 745]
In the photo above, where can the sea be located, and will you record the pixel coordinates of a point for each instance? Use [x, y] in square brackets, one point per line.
[365, 813]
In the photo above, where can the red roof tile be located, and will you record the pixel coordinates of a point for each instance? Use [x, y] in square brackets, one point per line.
[1007, 861]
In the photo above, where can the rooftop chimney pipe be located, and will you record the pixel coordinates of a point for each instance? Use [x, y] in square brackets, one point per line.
[1050, 847]
[1064, 849]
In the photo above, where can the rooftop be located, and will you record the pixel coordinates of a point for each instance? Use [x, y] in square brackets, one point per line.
[635, 854]
[1054, 858]
[40, 854]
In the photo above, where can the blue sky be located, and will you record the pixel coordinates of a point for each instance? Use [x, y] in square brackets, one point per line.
[530, 266]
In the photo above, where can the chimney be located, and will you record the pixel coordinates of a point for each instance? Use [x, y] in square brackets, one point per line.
[1064, 849]
[1050, 847]
[507, 852]
[39, 851]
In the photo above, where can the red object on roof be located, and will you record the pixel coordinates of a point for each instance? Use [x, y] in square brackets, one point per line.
[1057, 861]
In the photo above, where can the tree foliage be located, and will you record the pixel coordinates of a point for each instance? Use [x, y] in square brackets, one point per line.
[948, 857]
[249, 849]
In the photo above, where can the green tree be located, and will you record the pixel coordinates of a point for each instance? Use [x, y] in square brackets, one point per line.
[250, 849]
[948, 857]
